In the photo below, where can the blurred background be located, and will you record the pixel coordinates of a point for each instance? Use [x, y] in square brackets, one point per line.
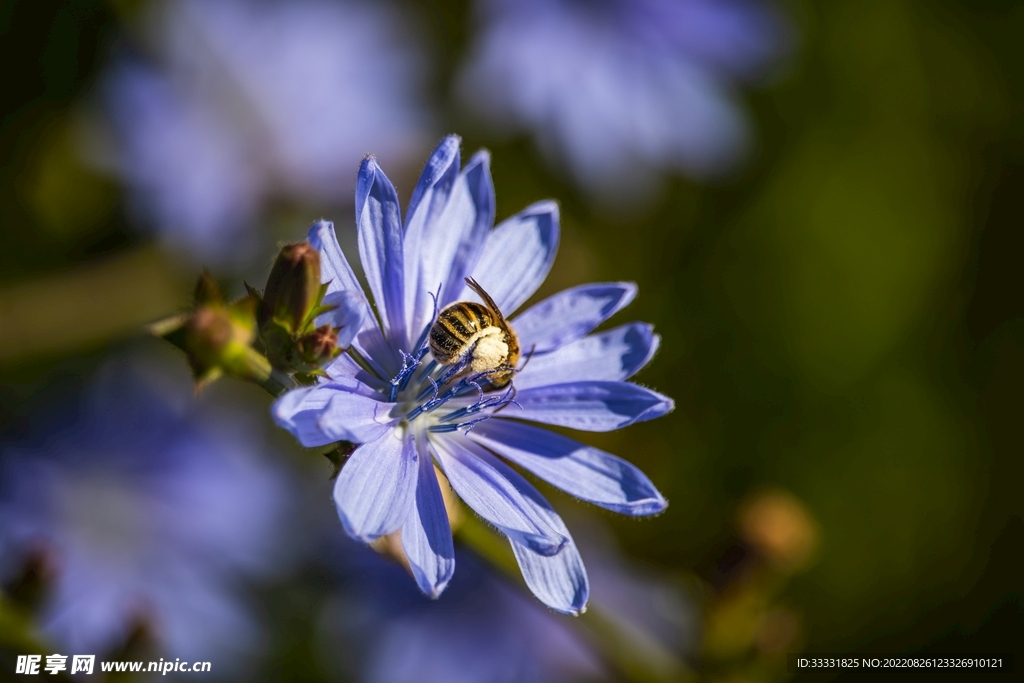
[819, 202]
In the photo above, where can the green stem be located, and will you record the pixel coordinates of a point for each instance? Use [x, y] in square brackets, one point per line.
[276, 383]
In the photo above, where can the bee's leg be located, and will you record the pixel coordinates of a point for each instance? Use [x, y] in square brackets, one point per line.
[529, 355]
[507, 399]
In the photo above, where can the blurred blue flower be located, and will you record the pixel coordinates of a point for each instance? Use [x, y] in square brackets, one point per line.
[251, 99]
[407, 411]
[616, 90]
[483, 629]
[152, 509]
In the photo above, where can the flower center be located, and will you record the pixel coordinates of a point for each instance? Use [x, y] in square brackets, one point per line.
[446, 398]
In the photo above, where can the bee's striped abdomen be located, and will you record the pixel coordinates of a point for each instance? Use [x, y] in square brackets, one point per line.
[457, 327]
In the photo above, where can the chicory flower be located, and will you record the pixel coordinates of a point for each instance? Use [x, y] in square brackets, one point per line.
[408, 412]
[382, 630]
[615, 91]
[151, 511]
[249, 101]
[485, 629]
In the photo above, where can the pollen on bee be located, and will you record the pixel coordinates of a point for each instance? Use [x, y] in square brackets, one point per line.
[490, 351]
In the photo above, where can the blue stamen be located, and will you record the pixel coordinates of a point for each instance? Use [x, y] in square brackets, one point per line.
[420, 409]
[456, 369]
[412, 361]
[409, 365]
[421, 345]
[459, 389]
[468, 425]
[484, 402]
[427, 369]
[408, 376]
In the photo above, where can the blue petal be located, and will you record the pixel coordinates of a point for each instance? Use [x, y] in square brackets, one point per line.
[426, 534]
[518, 255]
[587, 473]
[570, 314]
[490, 495]
[334, 267]
[590, 406]
[377, 486]
[355, 418]
[472, 208]
[449, 245]
[614, 355]
[380, 245]
[347, 315]
[333, 411]
[559, 581]
[429, 200]
[344, 367]
[298, 411]
[337, 273]
[431, 192]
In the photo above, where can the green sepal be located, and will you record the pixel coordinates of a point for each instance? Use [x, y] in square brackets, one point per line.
[217, 337]
[255, 294]
[207, 291]
[318, 309]
[170, 328]
[316, 313]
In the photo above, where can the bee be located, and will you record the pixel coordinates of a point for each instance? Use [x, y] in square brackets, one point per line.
[476, 334]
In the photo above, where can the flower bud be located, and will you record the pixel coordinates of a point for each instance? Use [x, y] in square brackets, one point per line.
[219, 340]
[293, 289]
[318, 347]
[289, 310]
[216, 336]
